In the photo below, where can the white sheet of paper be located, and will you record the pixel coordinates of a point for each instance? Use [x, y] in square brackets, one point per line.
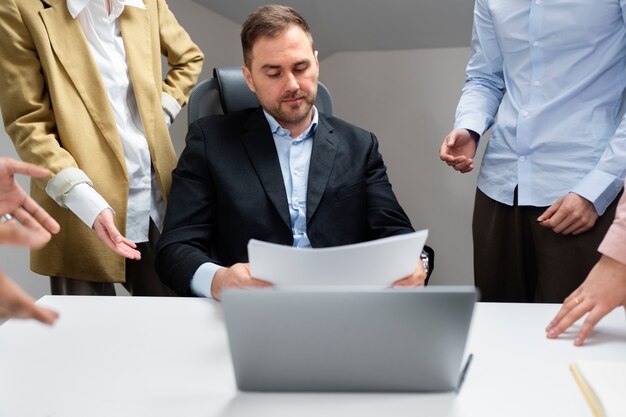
[376, 263]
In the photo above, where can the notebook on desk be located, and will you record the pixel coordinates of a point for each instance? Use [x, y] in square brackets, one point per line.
[409, 340]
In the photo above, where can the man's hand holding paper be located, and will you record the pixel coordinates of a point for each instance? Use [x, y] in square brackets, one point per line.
[374, 263]
[237, 276]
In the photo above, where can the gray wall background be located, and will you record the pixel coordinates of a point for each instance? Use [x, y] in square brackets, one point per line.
[407, 98]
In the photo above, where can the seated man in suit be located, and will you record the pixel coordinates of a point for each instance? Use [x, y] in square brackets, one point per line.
[281, 173]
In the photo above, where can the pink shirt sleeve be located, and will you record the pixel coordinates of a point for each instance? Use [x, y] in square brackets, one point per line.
[614, 243]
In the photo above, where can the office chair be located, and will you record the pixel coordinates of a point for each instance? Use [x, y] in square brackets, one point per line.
[228, 92]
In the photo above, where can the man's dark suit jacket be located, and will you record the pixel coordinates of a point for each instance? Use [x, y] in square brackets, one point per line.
[228, 188]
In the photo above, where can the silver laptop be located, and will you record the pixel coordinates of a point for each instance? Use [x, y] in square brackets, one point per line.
[348, 339]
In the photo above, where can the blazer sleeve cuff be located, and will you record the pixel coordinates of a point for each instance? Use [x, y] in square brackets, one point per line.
[63, 182]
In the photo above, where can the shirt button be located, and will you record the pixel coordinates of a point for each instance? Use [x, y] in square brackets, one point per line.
[296, 204]
[525, 113]
[537, 83]
[538, 2]
[536, 43]
[522, 158]
[146, 180]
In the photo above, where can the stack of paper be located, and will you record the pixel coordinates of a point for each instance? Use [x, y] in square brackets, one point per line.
[376, 263]
[603, 384]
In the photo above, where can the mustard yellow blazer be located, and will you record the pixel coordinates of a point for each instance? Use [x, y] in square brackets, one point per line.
[56, 112]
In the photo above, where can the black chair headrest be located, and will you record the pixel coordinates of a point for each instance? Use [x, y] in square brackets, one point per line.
[234, 92]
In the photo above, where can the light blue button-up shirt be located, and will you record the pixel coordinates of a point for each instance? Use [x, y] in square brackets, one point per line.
[294, 156]
[555, 72]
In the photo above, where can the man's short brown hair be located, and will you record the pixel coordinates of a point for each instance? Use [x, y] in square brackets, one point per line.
[270, 21]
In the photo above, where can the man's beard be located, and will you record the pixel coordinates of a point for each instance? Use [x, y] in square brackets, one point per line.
[291, 117]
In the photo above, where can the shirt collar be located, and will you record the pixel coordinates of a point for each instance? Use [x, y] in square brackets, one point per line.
[277, 129]
[117, 6]
[76, 6]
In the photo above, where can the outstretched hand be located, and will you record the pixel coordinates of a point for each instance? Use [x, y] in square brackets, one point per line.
[30, 224]
[23, 223]
[15, 303]
[108, 233]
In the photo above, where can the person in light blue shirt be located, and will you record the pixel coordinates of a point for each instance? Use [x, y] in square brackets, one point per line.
[554, 73]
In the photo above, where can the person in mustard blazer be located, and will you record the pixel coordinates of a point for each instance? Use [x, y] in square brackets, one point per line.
[82, 94]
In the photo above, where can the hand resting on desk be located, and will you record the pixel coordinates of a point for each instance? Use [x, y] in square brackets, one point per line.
[603, 290]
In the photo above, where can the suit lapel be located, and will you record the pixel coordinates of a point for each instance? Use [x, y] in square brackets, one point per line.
[259, 144]
[69, 44]
[135, 27]
[322, 159]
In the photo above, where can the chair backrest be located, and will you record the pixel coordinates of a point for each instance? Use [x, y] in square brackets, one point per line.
[228, 92]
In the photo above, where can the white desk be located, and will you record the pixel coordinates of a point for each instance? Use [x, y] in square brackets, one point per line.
[123, 356]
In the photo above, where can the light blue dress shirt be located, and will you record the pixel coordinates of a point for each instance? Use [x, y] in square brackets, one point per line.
[554, 71]
[294, 156]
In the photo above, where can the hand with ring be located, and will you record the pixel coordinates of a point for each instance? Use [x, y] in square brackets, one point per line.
[603, 290]
[6, 217]
[22, 221]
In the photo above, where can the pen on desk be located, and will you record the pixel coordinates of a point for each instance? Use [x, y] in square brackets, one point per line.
[464, 372]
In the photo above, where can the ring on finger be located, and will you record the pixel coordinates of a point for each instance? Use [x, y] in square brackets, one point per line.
[6, 217]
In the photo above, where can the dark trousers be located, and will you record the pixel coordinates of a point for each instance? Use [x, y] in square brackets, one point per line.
[141, 276]
[518, 260]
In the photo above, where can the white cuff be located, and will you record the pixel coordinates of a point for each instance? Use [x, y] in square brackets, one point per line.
[60, 185]
[86, 203]
[170, 106]
[203, 279]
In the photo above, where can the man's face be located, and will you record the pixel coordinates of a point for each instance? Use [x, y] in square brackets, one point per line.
[283, 73]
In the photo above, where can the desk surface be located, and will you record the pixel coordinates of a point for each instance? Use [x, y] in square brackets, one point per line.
[129, 356]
